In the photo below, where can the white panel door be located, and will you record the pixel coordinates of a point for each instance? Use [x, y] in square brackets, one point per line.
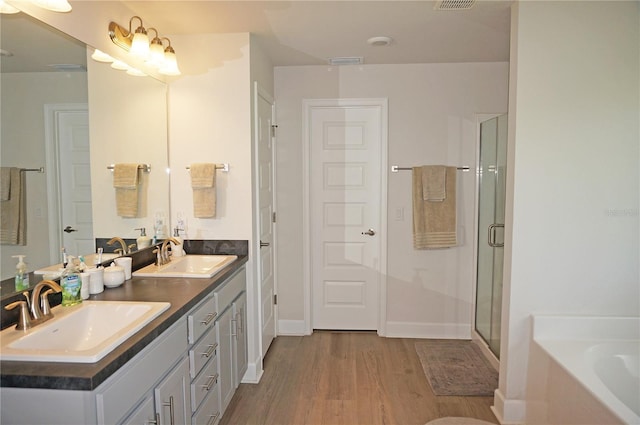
[345, 168]
[266, 259]
[75, 182]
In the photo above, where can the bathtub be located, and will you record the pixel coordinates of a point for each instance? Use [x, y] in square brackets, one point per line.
[600, 357]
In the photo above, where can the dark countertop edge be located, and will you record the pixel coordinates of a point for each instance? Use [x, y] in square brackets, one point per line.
[88, 376]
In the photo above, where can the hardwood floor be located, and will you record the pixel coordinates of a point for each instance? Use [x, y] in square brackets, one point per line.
[345, 378]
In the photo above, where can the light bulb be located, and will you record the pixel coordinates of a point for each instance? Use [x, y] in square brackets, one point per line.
[100, 56]
[140, 43]
[170, 66]
[119, 65]
[156, 53]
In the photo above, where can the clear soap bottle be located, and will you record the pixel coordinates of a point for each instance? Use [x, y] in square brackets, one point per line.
[22, 275]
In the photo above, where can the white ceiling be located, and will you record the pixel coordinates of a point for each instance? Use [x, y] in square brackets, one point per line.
[304, 32]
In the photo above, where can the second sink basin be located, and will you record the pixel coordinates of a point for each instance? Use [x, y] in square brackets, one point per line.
[80, 334]
[199, 266]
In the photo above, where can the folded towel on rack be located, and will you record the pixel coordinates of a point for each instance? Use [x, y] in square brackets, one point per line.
[434, 178]
[13, 219]
[5, 183]
[203, 183]
[434, 223]
[125, 181]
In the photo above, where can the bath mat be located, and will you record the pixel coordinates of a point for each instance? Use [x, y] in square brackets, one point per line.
[456, 368]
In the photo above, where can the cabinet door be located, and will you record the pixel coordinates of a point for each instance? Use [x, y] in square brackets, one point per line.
[173, 401]
[145, 414]
[225, 357]
[240, 338]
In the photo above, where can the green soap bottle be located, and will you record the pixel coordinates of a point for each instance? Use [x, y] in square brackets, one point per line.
[71, 286]
[22, 275]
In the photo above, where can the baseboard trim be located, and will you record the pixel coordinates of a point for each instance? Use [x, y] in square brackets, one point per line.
[291, 327]
[508, 412]
[428, 330]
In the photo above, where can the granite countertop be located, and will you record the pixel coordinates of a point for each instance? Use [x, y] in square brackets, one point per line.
[183, 294]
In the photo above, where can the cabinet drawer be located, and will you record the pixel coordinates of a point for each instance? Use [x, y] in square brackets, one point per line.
[209, 413]
[201, 319]
[204, 350]
[236, 284]
[206, 384]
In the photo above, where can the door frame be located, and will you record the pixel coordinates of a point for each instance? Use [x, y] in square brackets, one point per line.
[480, 118]
[52, 154]
[307, 104]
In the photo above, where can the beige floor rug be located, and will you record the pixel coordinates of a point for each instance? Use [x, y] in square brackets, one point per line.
[458, 421]
[456, 368]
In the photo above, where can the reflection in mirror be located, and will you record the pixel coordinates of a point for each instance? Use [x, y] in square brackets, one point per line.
[127, 123]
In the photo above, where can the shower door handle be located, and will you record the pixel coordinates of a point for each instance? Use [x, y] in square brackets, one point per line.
[492, 235]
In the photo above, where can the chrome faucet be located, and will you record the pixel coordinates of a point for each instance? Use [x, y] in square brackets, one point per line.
[125, 249]
[163, 252]
[38, 306]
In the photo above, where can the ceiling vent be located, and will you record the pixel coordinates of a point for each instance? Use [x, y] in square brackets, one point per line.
[454, 4]
[352, 60]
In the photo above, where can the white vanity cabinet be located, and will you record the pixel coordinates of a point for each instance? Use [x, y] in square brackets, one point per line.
[233, 338]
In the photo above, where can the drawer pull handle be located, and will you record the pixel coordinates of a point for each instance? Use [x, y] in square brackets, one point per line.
[208, 319]
[213, 419]
[234, 328]
[156, 422]
[213, 379]
[170, 404]
[211, 349]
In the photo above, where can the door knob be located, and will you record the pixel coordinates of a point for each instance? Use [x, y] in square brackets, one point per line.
[263, 244]
[369, 232]
[69, 229]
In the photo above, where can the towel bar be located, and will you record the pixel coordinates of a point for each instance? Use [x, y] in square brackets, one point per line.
[224, 167]
[395, 168]
[144, 167]
[39, 170]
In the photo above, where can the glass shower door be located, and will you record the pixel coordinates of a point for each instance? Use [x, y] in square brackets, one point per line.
[491, 205]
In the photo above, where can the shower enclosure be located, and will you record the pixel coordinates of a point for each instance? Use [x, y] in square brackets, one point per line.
[491, 204]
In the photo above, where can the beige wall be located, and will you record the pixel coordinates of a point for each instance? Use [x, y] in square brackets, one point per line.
[23, 145]
[431, 121]
[572, 230]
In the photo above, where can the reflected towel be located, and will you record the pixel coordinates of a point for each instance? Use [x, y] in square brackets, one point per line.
[5, 183]
[203, 183]
[434, 223]
[13, 220]
[434, 178]
[125, 181]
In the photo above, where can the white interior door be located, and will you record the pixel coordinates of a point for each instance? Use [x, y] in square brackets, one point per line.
[75, 182]
[345, 187]
[266, 261]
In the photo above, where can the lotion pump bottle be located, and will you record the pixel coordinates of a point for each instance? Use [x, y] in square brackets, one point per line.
[22, 276]
[143, 240]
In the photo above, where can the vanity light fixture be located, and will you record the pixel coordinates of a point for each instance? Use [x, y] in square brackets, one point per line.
[53, 5]
[137, 44]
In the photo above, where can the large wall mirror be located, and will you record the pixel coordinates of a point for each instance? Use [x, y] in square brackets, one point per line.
[75, 117]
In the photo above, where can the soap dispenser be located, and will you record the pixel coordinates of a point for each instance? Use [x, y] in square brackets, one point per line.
[143, 240]
[22, 276]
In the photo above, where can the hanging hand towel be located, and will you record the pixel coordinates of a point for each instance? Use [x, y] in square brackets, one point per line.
[203, 183]
[125, 181]
[5, 183]
[434, 223]
[434, 178]
[13, 220]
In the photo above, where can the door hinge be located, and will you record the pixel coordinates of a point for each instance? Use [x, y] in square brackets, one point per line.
[273, 130]
[275, 299]
[273, 217]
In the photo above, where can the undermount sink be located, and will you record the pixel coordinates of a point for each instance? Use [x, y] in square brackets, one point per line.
[198, 266]
[83, 333]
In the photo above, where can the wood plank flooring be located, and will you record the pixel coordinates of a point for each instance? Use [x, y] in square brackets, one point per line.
[345, 378]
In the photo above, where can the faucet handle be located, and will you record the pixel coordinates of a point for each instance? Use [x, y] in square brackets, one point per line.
[44, 303]
[131, 246]
[118, 251]
[24, 320]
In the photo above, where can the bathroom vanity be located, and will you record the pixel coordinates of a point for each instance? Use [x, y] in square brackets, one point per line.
[182, 368]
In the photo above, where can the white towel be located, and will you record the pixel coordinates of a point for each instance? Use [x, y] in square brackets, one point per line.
[203, 183]
[434, 183]
[13, 220]
[125, 181]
